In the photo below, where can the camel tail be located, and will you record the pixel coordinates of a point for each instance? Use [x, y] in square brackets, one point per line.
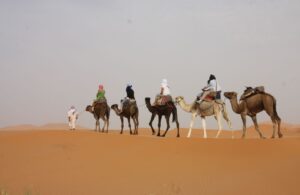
[107, 113]
[174, 113]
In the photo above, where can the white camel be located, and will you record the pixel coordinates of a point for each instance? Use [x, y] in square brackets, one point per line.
[203, 110]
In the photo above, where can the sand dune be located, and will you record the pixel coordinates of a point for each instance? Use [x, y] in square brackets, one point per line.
[86, 162]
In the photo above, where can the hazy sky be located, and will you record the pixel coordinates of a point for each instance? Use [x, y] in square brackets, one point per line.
[55, 53]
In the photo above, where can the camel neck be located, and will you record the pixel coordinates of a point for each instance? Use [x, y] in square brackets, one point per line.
[118, 112]
[236, 107]
[186, 107]
[149, 106]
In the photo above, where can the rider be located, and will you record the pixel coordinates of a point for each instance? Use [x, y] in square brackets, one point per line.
[100, 95]
[164, 93]
[212, 86]
[129, 95]
[130, 92]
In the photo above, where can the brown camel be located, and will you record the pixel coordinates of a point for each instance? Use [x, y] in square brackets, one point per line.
[129, 111]
[253, 105]
[162, 110]
[101, 110]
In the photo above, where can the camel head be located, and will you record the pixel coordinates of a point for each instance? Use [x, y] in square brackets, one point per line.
[89, 108]
[114, 106]
[147, 100]
[230, 95]
[179, 99]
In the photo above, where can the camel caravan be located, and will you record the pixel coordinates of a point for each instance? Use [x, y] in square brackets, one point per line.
[207, 103]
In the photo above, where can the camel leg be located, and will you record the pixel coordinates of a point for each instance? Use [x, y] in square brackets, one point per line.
[97, 126]
[204, 127]
[274, 128]
[103, 124]
[256, 127]
[122, 125]
[219, 124]
[225, 116]
[244, 125]
[279, 130]
[150, 123]
[168, 124]
[191, 124]
[177, 125]
[107, 124]
[136, 124]
[276, 123]
[159, 123]
[129, 125]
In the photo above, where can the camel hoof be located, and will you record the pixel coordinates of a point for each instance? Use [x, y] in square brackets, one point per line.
[273, 137]
[263, 137]
[280, 135]
[178, 136]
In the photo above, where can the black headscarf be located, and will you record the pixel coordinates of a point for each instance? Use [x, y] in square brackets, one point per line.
[211, 77]
[130, 92]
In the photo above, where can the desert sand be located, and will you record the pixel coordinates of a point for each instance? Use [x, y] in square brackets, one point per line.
[53, 160]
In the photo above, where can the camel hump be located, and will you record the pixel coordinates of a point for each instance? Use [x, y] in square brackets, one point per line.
[250, 91]
[206, 108]
[218, 101]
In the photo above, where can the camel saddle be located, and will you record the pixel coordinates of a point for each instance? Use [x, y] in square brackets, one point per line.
[163, 100]
[250, 91]
[101, 100]
[128, 102]
[211, 96]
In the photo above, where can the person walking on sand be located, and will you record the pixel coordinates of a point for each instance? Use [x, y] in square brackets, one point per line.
[72, 117]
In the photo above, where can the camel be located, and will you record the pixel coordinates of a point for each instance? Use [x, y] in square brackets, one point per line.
[253, 105]
[129, 111]
[162, 110]
[101, 110]
[203, 110]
